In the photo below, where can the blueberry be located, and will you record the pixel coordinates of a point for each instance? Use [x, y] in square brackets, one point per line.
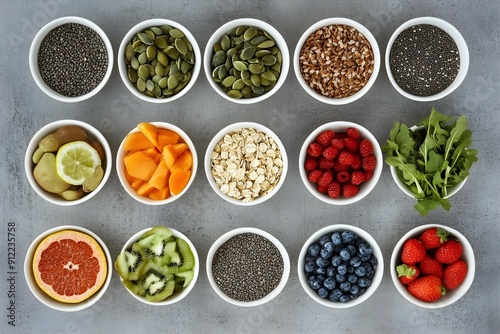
[313, 283]
[320, 271]
[310, 258]
[324, 239]
[309, 267]
[364, 258]
[355, 261]
[330, 271]
[370, 274]
[323, 293]
[328, 247]
[360, 271]
[335, 295]
[320, 279]
[325, 254]
[320, 262]
[352, 297]
[364, 282]
[344, 298]
[336, 260]
[349, 237]
[345, 286]
[354, 290]
[350, 269]
[352, 249]
[329, 283]
[374, 261]
[365, 249]
[352, 278]
[336, 238]
[368, 267]
[313, 250]
[340, 278]
[345, 255]
[342, 269]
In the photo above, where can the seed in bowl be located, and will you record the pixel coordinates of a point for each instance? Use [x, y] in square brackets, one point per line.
[336, 61]
[159, 61]
[246, 164]
[246, 62]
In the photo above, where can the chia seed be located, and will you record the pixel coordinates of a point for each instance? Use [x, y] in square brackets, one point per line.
[247, 267]
[424, 60]
[72, 59]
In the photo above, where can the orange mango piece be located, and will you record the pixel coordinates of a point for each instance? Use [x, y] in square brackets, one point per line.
[137, 183]
[159, 194]
[172, 152]
[178, 180]
[167, 137]
[154, 154]
[159, 180]
[145, 189]
[185, 161]
[136, 141]
[140, 165]
[129, 178]
[150, 131]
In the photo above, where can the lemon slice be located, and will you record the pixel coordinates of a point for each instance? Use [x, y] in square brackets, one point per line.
[76, 162]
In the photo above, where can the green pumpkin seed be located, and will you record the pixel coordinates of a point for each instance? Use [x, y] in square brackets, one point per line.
[179, 75]
[221, 72]
[151, 70]
[151, 52]
[156, 78]
[268, 75]
[162, 58]
[259, 90]
[159, 70]
[247, 82]
[132, 75]
[235, 94]
[247, 53]
[255, 80]
[134, 63]
[163, 82]
[269, 60]
[215, 73]
[225, 43]
[143, 72]
[157, 31]
[167, 92]
[245, 74]
[185, 67]
[276, 67]
[255, 68]
[188, 44]
[150, 34]
[180, 86]
[149, 93]
[172, 82]
[250, 33]
[142, 58]
[137, 44]
[238, 84]
[268, 36]
[181, 46]
[266, 44]
[257, 40]
[157, 91]
[173, 69]
[237, 41]
[262, 53]
[176, 33]
[165, 28]
[172, 52]
[240, 30]
[146, 39]
[279, 57]
[217, 47]
[264, 81]
[218, 58]
[228, 81]
[240, 65]
[129, 52]
[161, 42]
[141, 85]
[231, 52]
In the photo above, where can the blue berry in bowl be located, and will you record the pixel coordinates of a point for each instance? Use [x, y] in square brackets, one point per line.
[314, 249]
[348, 237]
[335, 295]
[323, 293]
[329, 283]
[336, 260]
[313, 283]
[309, 267]
[320, 262]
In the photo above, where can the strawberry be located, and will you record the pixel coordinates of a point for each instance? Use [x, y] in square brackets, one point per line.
[325, 138]
[454, 274]
[427, 288]
[449, 252]
[343, 176]
[413, 251]
[314, 150]
[349, 190]
[338, 143]
[365, 147]
[407, 274]
[310, 164]
[345, 158]
[314, 175]
[351, 144]
[429, 266]
[325, 164]
[352, 133]
[334, 190]
[325, 179]
[433, 237]
[330, 152]
[357, 177]
[369, 162]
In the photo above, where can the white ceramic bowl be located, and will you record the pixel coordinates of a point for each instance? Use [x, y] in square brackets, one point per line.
[120, 166]
[452, 295]
[122, 67]
[377, 278]
[228, 235]
[219, 136]
[50, 128]
[35, 46]
[216, 37]
[462, 49]
[46, 299]
[366, 187]
[176, 296]
[337, 21]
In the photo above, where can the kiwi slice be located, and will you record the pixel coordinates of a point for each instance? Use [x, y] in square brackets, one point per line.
[186, 276]
[160, 290]
[186, 255]
[129, 264]
[160, 231]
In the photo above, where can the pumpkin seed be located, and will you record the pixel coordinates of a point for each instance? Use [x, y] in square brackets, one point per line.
[150, 34]
[240, 65]
[240, 30]
[255, 79]
[157, 31]
[162, 58]
[156, 79]
[221, 72]
[146, 39]
[247, 53]
[151, 52]
[219, 58]
[181, 46]
[238, 84]
[141, 85]
[235, 94]
[268, 75]
[134, 63]
[250, 33]
[163, 82]
[129, 52]
[266, 44]
[132, 75]
[225, 43]
[143, 72]
[269, 60]
[172, 82]
[176, 33]
[161, 42]
[159, 70]
[142, 58]
[255, 68]
[165, 28]
[228, 81]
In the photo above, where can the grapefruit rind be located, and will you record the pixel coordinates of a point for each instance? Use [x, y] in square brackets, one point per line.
[76, 236]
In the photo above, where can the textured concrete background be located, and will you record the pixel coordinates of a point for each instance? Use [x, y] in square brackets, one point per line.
[293, 214]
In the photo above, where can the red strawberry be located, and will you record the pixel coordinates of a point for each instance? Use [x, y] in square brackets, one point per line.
[454, 274]
[449, 252]
[407, 274]
[314, 175]
[369, 162]
[325, 164]
[314, 150]
[429, 266]
[427, 288]
[352, 133]
[345, 158]
[334, 190]
[365, 147]
[351, 144]
[433, 237]
[338, 143]
[357, 177]
[343, 176]
[310, 164]
[325, 138]
[349, 190]
[330, 152]
[325, 179]
[413, 251]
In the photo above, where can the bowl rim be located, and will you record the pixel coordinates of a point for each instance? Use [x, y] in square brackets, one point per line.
[280, 41]
[455, 294]
[46, 299]
[177, 296]
[376, 56]
[52, 127]
[228, 235]
[35, 45]
[376, 280]
[244, 125]
[367, 186]
[120, 165]
[459, 41]
[122, 69]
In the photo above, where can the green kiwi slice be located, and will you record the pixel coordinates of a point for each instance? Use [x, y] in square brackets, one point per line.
[186, 255]
[185, 276]
[160, 290]
[129, 264]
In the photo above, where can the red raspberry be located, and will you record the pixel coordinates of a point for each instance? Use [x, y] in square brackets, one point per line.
[345, 158]
[325, 164]
[357, 177]
[314, 175]
[334, 190]
[352, 133]
[365, 147]
[310, 164]
[325, 137]
[340, 167]
[322, 189]
[351, 144]
[343, 176]
[325, 179]
[356, 163]
[368, 175]
[338, 143]
[330, 152]
[314, 150]
[369, 163]
[349, 190]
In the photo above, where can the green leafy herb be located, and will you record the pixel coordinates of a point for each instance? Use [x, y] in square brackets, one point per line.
[431, 158]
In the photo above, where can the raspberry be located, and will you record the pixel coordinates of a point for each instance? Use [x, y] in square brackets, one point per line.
[345, 158]
[356, 163]
[365, 147]
[357, 177]
[314, 175]
[340, 167]
[325, 164]
[343, 176]
[334, 190]
[325, 137]
[310, 164]
[325, 179]
[322, 189]
[368, 175]
[369, 163]
[338, 143]
[352, 133]
[349, 190]
[351, 144]
[314, 150]
[330, 152]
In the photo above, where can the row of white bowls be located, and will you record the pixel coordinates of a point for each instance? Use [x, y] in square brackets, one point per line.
[280, 41]
[450, 298]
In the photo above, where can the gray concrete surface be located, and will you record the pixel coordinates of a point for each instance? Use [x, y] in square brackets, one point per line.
[293, 214]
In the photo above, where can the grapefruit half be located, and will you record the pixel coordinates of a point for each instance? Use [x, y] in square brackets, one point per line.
[69, 266]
